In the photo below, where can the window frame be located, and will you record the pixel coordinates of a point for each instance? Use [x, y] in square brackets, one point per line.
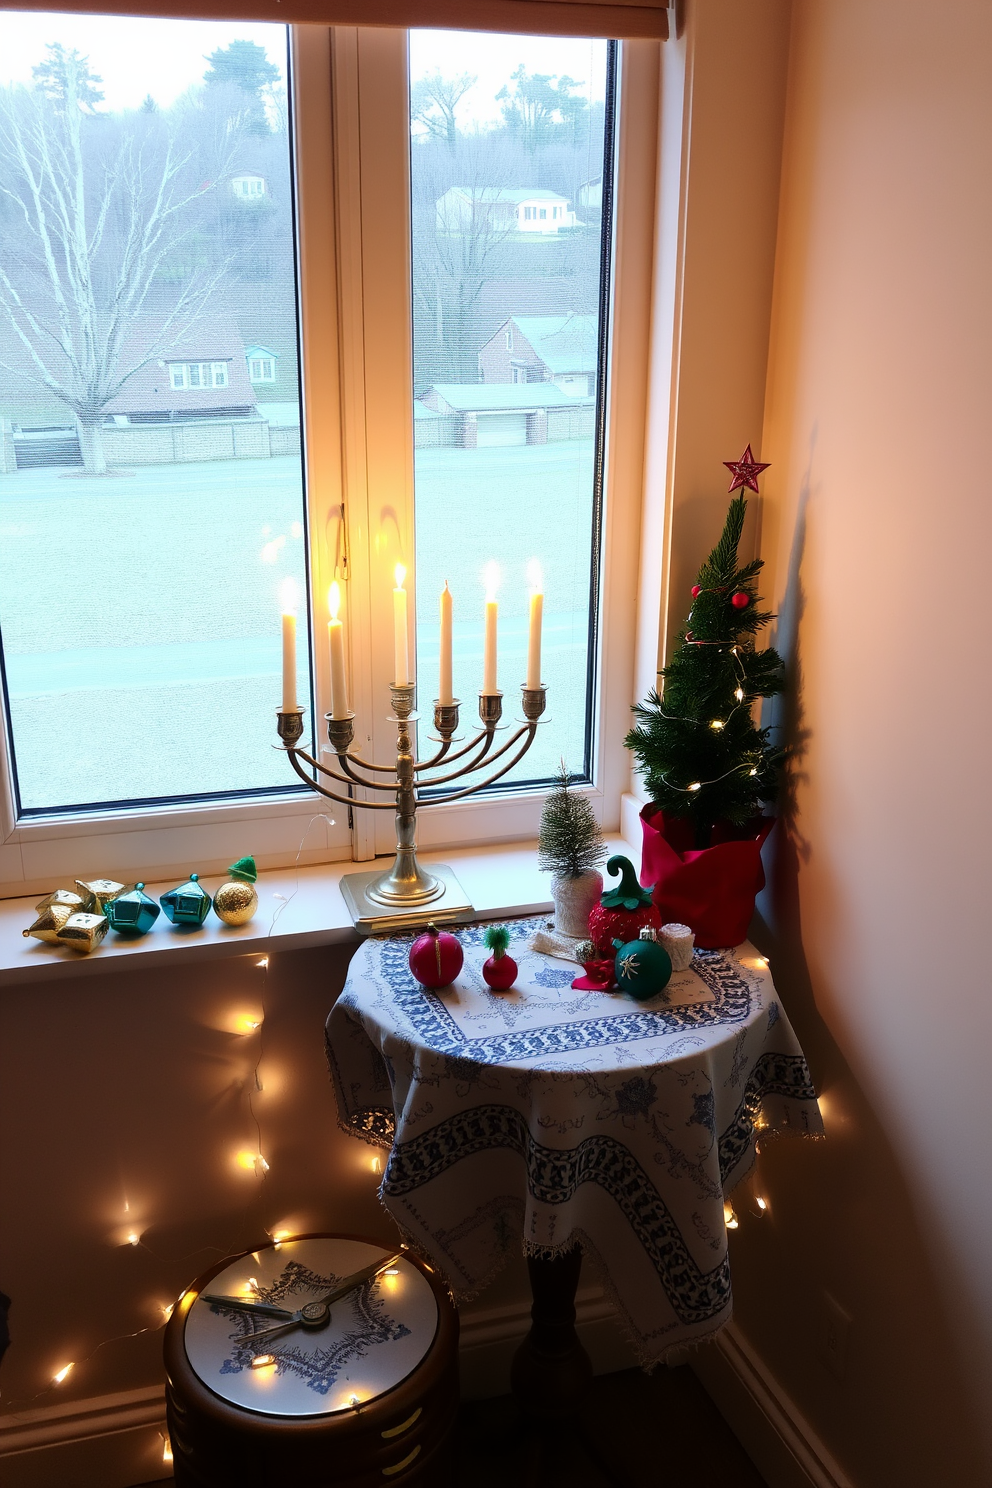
[353, 276]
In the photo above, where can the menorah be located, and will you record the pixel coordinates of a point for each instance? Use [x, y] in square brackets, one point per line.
[408, 895]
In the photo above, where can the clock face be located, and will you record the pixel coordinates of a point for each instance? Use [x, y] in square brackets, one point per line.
[375, 1337]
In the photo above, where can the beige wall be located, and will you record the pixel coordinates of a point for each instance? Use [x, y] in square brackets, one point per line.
[876, 528]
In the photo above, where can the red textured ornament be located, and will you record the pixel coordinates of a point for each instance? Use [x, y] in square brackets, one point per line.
[745, 471]
[436, 958]
[740, 600]
[621, 912]
[696, 590]
[499, 972]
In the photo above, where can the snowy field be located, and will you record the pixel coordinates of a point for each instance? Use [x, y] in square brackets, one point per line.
[140, 623]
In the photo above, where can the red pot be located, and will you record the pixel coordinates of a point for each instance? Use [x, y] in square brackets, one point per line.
[712, 889]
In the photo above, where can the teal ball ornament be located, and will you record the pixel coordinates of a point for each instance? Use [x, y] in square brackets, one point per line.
[643, 967]
[188, 904]
[132, 913]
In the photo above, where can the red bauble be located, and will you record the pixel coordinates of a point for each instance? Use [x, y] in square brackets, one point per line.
[696, 590]
[621, 912]
[499, 972]
[740, 600]
[436, 958]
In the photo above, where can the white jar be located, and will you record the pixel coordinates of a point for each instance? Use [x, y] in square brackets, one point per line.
[574, 898]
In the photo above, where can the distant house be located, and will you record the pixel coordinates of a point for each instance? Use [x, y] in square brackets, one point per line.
[559, 349]
[205, 375]
[248, 188]
[490, 416]
[528, 209]
[590, 195]
[261, 364]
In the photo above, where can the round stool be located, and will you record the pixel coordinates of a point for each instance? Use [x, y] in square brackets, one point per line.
[344, 1392]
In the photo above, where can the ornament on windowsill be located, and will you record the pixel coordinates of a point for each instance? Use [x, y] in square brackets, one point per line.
[436, 958]
[643, 967]
[236, 901]
[189, 904]
[83, 932]
[500, 971]
[621, 911]
[133, 913]
[98, 893]
[51, 919]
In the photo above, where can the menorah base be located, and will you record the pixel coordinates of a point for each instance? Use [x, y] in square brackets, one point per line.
[371, 917]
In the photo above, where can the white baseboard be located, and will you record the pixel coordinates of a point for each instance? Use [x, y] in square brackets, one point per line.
[776, 1436]
[110, 1441]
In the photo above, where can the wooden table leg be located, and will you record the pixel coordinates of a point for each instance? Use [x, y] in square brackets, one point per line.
[551, 1370]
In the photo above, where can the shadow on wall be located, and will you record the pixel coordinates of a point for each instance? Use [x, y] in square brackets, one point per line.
[893, 1399]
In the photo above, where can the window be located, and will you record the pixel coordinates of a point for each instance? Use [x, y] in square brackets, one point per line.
[148, 672]
[170, 700]
[262, 369]
[518, 466]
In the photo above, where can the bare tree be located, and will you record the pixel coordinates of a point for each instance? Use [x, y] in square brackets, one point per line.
[434, 101]
[98, 208]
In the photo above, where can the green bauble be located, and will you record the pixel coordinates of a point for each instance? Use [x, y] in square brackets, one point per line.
[643, 968]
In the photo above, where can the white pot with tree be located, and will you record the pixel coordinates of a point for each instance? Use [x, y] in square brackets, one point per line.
[570, 846]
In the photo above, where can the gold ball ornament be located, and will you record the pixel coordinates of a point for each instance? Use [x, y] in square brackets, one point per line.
[236, 901]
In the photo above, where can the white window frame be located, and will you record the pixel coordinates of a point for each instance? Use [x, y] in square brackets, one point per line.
[182, 370]
[220, 377]
[261, 375]
[352, 165]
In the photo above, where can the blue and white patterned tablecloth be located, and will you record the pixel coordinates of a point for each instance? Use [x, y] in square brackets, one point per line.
[552, 1116]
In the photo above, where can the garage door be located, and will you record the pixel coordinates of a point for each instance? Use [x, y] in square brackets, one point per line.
[501, 428]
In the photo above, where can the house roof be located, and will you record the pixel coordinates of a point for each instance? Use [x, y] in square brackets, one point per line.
[565, 343]
[260, 351]
[507, 193]
[421, 411]
[503, 397]
[211, 339]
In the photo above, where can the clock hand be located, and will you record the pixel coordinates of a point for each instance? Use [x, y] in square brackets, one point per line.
[244, 1305]
[314, 1314]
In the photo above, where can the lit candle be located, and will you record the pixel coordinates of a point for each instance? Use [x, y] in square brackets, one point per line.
[287, 596]
[444, 692]
[335, 639]
[492, 611]
[401, 644]
[536, 619]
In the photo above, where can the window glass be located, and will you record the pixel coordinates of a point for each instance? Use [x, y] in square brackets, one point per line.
[511, 137]
[151, 509]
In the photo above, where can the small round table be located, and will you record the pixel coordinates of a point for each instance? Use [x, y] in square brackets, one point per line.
[553, 1118]
[362, 1393]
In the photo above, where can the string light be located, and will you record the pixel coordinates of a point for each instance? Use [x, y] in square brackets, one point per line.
[58, 1378]
[729, 1217]
[739, 695]
[696, 785]
[133, 1239]
[752, 772]
[167, 1310]
[762, 1204]
[166, 1450]
[376, 1164]
[265, 960]
[279, 1236]
[354, 1402]
[716, 723]
[262, 1361]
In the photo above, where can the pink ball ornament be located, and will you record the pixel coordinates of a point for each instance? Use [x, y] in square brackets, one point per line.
[436, 958]
[740, 600]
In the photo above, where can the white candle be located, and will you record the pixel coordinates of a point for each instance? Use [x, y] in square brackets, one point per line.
[287, 596]
[401, 642]
[492, 612]
[335, 641]
[536, 619]
[444, 692]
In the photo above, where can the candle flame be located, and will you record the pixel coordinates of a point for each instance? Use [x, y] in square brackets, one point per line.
[287, 596]
[399, 573]
[535, 576]
[490, 576]
[334, 599]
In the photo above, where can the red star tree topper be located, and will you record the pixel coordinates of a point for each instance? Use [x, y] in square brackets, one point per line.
[745, 471]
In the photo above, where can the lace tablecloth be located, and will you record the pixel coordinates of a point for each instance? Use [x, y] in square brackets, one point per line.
[550, 1117]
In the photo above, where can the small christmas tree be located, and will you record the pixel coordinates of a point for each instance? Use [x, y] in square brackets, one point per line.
[697, 745]
[570, 842]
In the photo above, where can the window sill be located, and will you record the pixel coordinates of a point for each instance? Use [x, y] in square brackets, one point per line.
[297, 908]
